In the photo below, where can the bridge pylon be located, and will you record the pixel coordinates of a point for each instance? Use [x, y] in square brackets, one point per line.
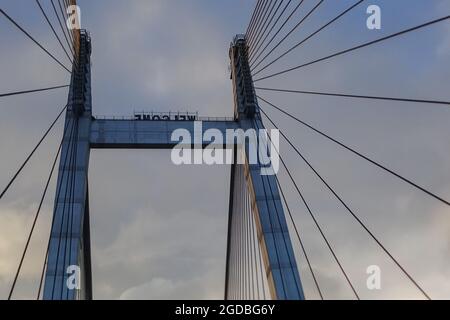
[265, 208]
[68, 272]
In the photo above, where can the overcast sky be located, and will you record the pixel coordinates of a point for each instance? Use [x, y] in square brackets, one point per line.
[159, 231]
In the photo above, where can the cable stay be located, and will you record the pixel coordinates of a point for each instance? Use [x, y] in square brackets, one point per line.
[345, 95]
[364, 45]
[65, 17]
[266, 25]
[262, 23]
[327, 242]
[252, 20]
[278, 31]
[293, 29]
[34, 40]
[306, 39]
[61, 26]
[359, 154]
[54, 31]
[360, 222]
[2, 95]
[35, 221]
[31, 154]
[257, 21]
[251, 55]
[252, 23]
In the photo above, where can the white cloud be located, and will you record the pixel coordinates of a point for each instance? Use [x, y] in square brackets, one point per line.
[164, 289]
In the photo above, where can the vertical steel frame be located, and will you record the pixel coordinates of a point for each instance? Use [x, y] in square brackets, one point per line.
[70, 238]
[273, 234]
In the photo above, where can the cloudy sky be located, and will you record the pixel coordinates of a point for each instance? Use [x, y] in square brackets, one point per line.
[159, 231]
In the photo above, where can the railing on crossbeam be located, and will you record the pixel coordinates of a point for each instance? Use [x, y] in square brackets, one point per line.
[161, 116]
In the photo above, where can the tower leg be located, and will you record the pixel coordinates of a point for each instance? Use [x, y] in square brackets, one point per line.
[68, 265]
[230, 230]
[273, 233]
[87, 269]
[68, 273]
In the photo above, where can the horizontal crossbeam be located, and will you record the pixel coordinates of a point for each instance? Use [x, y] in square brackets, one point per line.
[132, 134]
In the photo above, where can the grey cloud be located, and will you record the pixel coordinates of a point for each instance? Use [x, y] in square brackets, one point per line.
[159, 231]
